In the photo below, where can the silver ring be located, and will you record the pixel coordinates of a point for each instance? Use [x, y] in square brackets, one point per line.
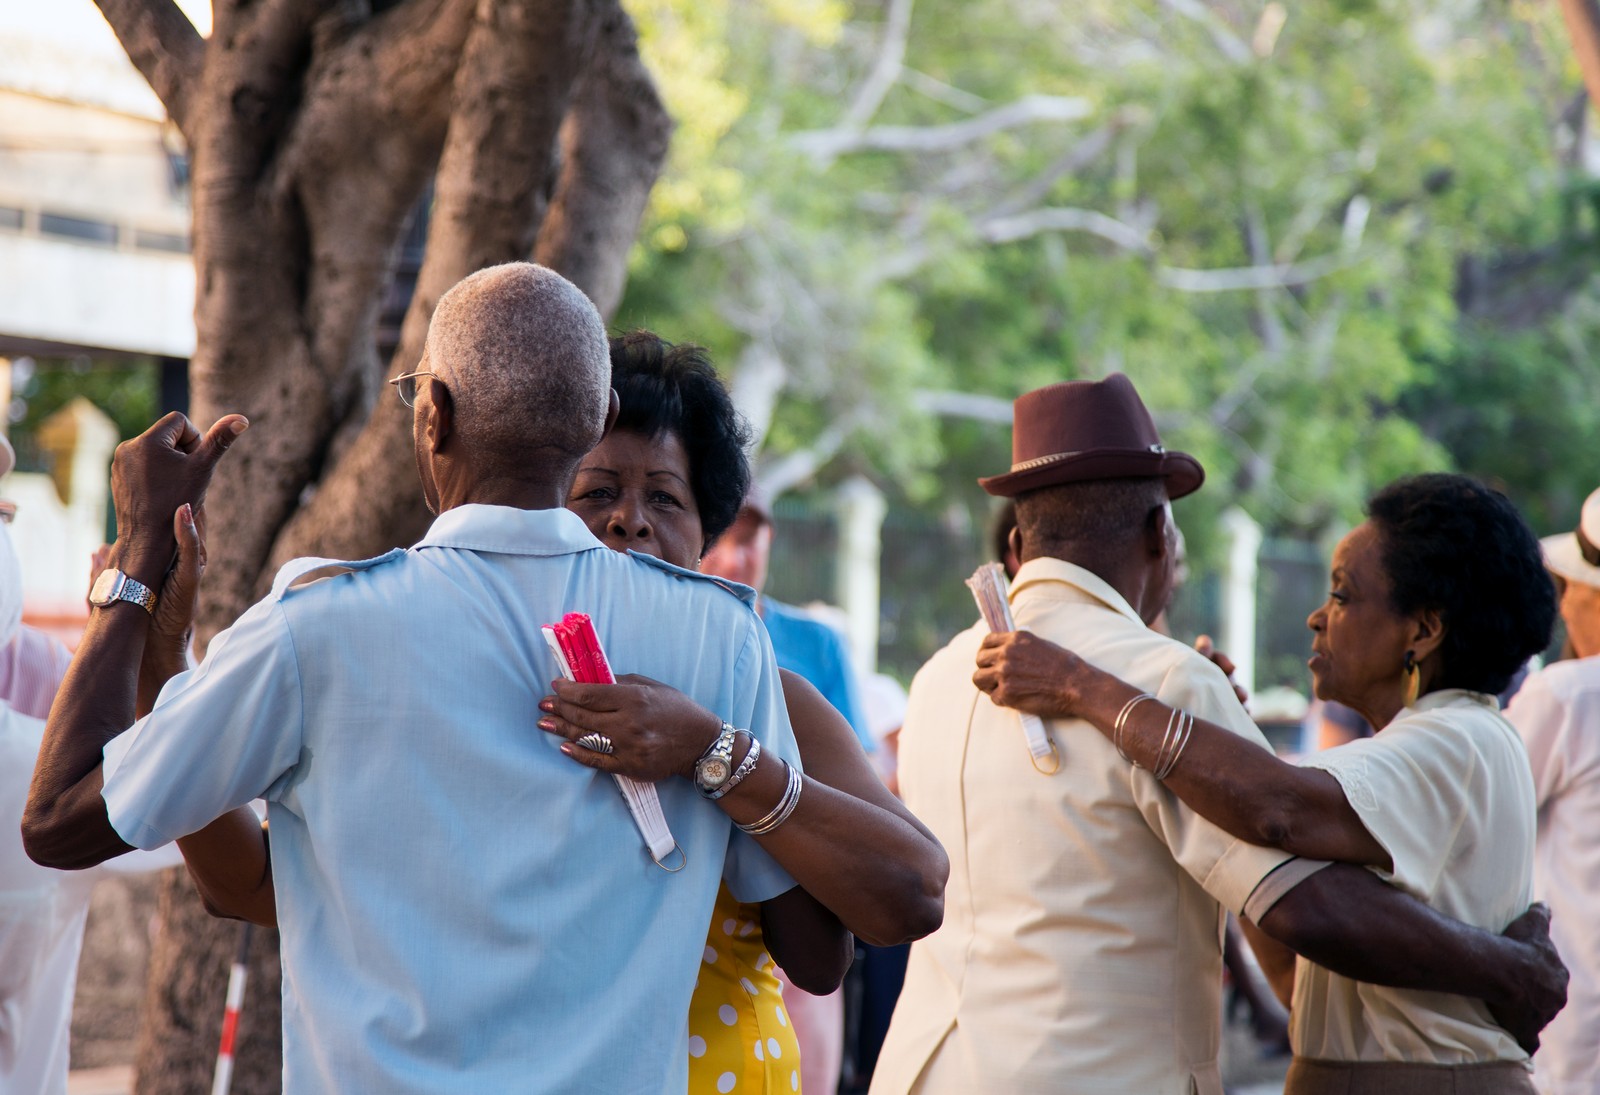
[597, 743]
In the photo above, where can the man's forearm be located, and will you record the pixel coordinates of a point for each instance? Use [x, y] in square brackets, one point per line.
[1347, 920]
[230, 865]
[65, 824]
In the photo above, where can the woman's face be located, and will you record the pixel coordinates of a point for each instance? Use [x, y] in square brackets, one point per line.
[633, 493]
[1580, 611]
[1359, 642]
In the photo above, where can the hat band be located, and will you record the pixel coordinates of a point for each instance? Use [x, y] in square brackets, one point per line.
[1041, 461]
[1587, 548]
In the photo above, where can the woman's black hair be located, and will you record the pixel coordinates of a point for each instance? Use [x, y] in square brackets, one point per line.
[666, 388]
[1451, 544]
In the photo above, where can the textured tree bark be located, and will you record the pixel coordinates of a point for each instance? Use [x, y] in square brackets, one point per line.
[313, 128]
[1583, 25]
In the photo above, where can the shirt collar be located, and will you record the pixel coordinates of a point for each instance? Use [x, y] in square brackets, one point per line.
[510, 531]
[1047, 571]
[1456, 697]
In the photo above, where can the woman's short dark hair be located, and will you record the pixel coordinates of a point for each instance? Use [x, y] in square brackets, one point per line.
[1451, 544]
[667, 388]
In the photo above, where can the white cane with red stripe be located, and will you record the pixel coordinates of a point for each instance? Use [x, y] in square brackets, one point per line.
[230, 1015]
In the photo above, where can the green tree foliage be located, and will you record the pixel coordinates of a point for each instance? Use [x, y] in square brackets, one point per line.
[1260, 212]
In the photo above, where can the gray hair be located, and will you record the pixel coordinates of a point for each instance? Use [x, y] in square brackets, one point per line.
[1097, 513]
[525, 357]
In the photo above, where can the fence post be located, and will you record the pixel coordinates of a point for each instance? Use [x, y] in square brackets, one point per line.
[1238, 639]
[861, 511]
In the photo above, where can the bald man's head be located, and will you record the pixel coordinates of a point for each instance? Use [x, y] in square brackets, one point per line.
[525, 357]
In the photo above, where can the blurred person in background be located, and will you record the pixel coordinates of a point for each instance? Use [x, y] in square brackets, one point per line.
[872, 987]
[1558, 715]
[810, 648]
[42, 910]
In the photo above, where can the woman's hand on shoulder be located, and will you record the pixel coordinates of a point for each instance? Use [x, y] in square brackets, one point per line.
[654, 730]
[1021, 671]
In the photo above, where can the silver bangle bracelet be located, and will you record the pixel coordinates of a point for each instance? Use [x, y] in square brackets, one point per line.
[1168, 760]
[780, 813]
[1121, 724]
[746, 766]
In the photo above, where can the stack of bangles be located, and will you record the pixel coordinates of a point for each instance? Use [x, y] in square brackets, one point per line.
[780, 813]
[1180, 725]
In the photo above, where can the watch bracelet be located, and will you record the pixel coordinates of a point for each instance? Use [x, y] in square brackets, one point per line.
[721, 748]
[746, 766]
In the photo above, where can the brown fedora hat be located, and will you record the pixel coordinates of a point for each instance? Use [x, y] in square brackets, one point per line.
[1088, 429]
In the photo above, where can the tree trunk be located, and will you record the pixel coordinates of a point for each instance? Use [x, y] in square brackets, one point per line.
[313, 127]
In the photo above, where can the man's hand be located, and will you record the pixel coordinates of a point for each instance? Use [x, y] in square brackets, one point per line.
[166, 648]
[1539, 991]
[655, 730]
[1021, 671]
[1208, 650]
[168, 465]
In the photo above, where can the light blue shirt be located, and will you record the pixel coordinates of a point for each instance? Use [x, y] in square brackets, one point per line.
[811, 649]
[463, 908]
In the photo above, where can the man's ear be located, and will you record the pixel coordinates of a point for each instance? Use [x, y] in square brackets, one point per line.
[1157, 534]
[441, 414]
[613, 409]
[1015, 540]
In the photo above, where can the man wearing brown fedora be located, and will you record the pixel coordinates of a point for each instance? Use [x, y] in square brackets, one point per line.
[1081, 947]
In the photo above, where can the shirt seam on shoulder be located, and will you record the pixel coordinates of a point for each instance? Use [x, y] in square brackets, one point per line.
[299, 681]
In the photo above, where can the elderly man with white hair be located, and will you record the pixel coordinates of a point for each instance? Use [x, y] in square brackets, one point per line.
[462, 908]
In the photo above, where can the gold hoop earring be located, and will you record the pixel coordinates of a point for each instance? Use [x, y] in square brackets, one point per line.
[1413, 678]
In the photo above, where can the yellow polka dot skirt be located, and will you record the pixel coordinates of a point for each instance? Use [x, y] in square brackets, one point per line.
[739, 1033]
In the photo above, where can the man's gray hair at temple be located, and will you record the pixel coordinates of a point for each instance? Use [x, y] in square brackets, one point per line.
[525, 357]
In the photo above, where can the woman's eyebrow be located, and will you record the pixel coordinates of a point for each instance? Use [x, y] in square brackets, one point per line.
[658, 472]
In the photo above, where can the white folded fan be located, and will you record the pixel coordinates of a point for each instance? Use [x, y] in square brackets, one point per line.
[992, 592]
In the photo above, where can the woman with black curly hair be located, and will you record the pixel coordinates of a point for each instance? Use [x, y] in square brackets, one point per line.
[667, 480]
[1436, 600]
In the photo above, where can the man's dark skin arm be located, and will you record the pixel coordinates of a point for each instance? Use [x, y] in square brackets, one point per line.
[1344, 918]
[157, 480]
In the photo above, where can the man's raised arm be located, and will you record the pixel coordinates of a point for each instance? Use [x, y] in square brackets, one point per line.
[158, 479]
[1347, 920]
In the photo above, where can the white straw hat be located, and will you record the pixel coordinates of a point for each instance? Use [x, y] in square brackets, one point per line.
[1575, 555]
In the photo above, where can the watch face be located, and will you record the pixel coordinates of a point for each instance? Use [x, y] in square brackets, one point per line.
[714, 772]
[106, 587]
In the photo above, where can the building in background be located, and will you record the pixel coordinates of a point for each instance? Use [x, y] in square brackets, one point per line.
[94, 265]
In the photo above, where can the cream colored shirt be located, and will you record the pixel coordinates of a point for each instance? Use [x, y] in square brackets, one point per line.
[1081, 946]
[1447, 791]
[1557, 712]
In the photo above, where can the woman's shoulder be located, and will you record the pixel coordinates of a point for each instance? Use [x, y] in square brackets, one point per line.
[1466, 726]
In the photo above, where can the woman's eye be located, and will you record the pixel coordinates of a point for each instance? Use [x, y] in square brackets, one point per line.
[1337, 597]
[662, 498]
[595, 494]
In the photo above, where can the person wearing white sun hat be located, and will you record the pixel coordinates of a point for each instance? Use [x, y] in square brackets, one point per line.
[1558, 715]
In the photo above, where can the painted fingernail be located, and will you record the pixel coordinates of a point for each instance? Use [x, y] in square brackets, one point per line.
[547, 704]
[547, 724]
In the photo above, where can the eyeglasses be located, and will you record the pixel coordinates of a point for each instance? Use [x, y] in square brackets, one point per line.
[8, 512]
[406, 385]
